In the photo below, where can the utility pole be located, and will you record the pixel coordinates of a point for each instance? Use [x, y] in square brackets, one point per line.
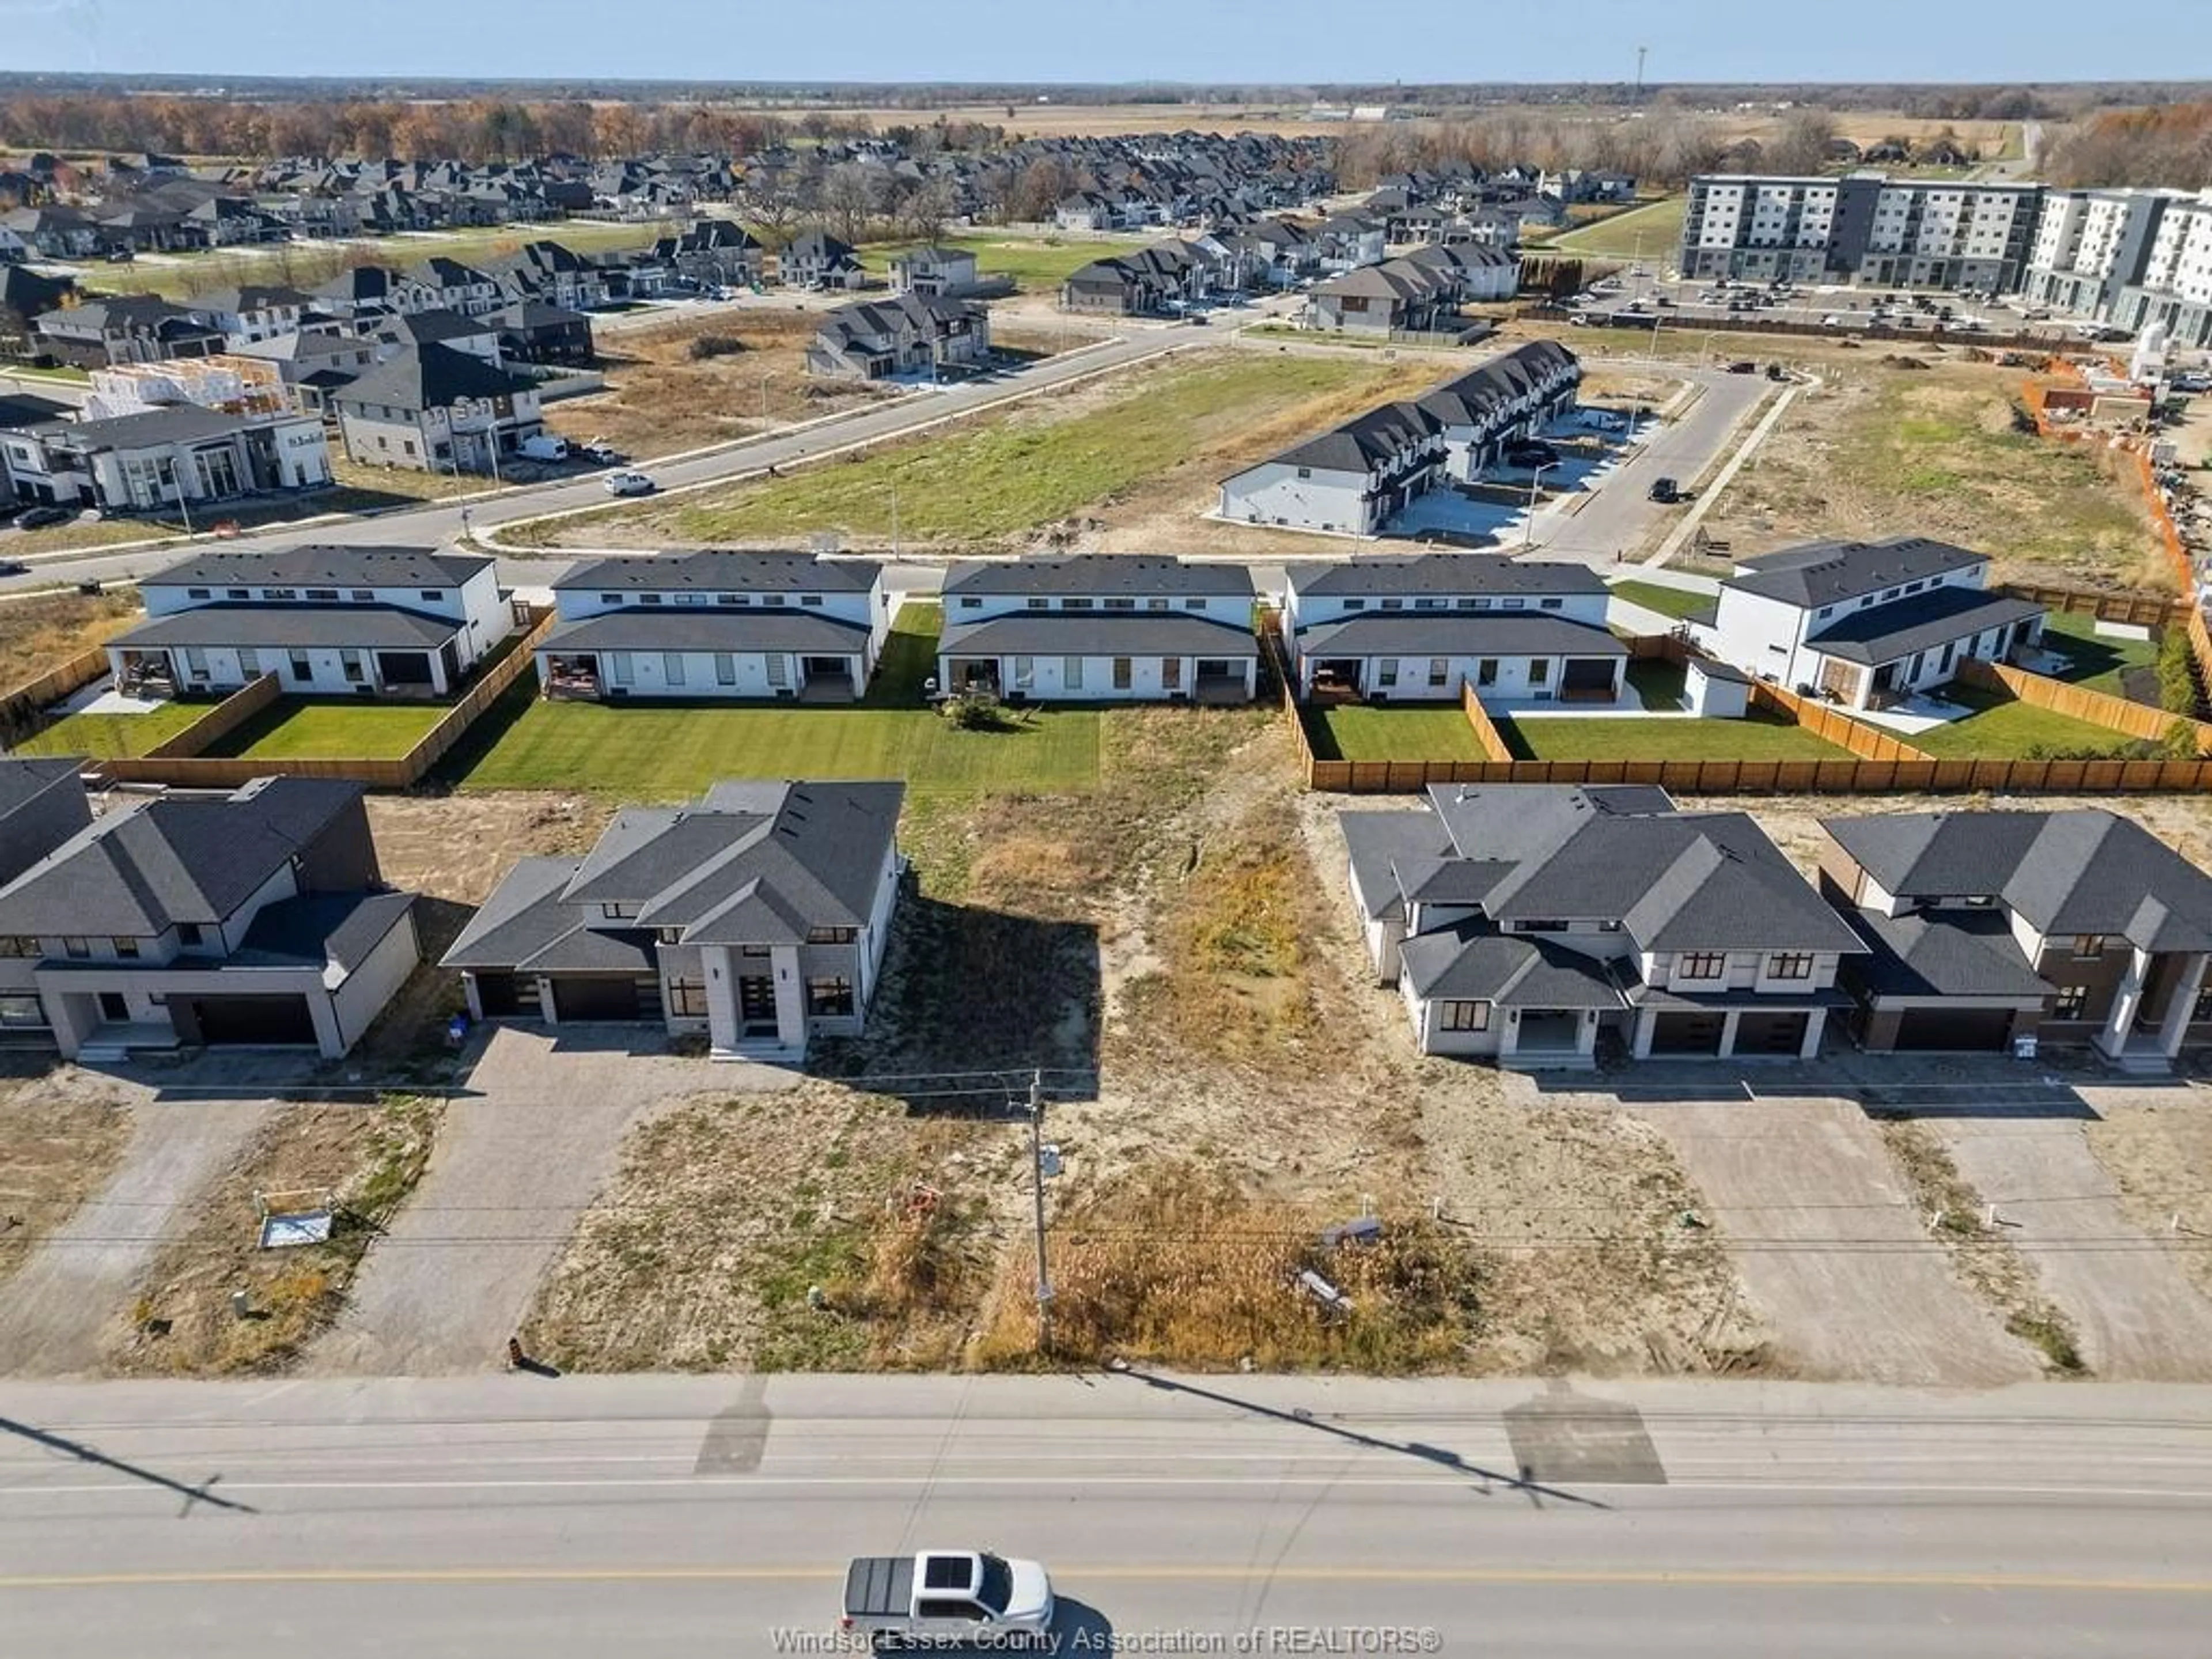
[1640, 50]
[1037, 1181]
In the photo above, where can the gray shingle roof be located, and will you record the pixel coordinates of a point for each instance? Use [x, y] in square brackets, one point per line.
[182, 424]
[708, 627]
[1945, 953]
[1445, 573]
[319, 566]
[1364, 441]
[2083, 871]
[360, 627]
[524, 926]
[180, 858]
[316, 930]
[1098, 574]
[433, 376]
[1472, 962]
[1925, 621]
[1381, 844]
[1098, 633]
[722, 572]
[1825, 573]
[1459, 634]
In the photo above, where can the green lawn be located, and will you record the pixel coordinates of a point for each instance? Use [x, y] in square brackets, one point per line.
[1668, 601]
[1037, 265]
[2099, 661]
[294, 728]
[1756, 738]
[1403, 731]
[1654, 230]
[2005, 729]
[113, 736]
[1004, 478]
[663, 751]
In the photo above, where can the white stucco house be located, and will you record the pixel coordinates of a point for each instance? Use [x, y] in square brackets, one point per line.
[716, 624]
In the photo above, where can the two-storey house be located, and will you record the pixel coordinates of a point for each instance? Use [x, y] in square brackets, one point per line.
[816, 260]
[943, 271]
[371, 621]
[1420, 628]
[1348, 481]
[1865, 624]
[257, 919]
[129, 328]
[1099, 627]
[714, 624]
[905, 334]
[252, 312]
[1522, 921]
[758, 916]
[1984, 928]
[434, 408]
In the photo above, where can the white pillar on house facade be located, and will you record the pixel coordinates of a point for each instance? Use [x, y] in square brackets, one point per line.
[2180, 1004]
[2113, 1039]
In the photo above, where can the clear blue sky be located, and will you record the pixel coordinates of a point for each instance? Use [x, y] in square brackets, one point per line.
[1249, 40]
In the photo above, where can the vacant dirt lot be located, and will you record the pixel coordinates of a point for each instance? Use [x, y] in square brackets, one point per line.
[2159, 1151]
[1174, 952]
[57, 1149]
[36, 635]
[661, 399]
[1882, 450]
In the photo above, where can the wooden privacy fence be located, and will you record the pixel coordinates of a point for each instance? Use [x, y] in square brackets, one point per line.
[404, 772]
[1724, 777]
[1485, 731]
[23, 707]
[219, 722]
[2133, 720]
[1832, 725]
[2131, 606]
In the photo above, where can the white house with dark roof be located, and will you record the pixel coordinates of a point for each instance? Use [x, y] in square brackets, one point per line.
[758, 916]
[1865, 624]
[1099, 627]
[1521, 921]
[716, 624]
[257, 919]
[1418, 628]
[436, 410]
[373, 622]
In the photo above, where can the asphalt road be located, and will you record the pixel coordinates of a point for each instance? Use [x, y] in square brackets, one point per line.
[583, 1516]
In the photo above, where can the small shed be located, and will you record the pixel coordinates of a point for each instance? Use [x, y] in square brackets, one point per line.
[1714, 690]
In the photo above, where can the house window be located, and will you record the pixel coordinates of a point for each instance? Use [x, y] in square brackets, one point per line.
[687, 998]
[829, 999]
[969, 603]
[832, 935]
[649, 599]
[2088, 947]
[810, 598]
[197, 593]
[2073, 1003]
[619, 912]
[1550, 604]
[1039, 604]
[729, 599]
[2202, 1010]
[363, 596]
[1539, 670]
[1025, 673]
[16, 944]
[610, 599]
[1194, 605]
[1386, 672]
[1120, 604]
[726, 668]
[1075, 604]
[188, 933]
[1120, 673]
[1466, 1016]
[125, 949]
[1438, 670]
[1159, 604]
[76, 947]
[672, 667]
[323, 595]
[23, 1010]
[1071, 673]
[279, 593]
[1171, 673]
[1513, 604]
[752, 950]
[249, 662]
[618, 667]
[1305, 472]
[1428, 604]
[1792, 964]
[1394, 605]
[237, 593]
[1701, 964]
[350, 661]
[1355, 605]
[302, 670]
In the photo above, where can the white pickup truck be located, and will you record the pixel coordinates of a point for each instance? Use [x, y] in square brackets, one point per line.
[940, 1595]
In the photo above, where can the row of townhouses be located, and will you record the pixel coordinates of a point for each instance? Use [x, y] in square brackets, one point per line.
[2128, 258]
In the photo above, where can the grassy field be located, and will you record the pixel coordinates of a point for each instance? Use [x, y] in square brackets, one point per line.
[1885, 450]
[304, 727]
[1038, 265]
[1361, 732]
[1652, 232]
[645, 751]
[1149, 439]
[113, 736]
[1668, 601]
[2101, 662]
[2003, 729]
[1754, 738]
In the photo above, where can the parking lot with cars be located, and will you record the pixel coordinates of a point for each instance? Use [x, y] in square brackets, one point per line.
[1642, 298]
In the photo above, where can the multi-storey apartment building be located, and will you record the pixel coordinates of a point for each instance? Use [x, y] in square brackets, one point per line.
[2132, 258]
[1862, 228]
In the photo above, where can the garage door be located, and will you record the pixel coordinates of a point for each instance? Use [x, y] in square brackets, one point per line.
[1957, 1028]
[496, 994]
[262, 1022]
[1770, 1034]
[1686, 1033]
[595, 999]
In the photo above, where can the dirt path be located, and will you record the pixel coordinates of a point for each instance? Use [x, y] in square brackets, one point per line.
[1831, 1247]
[2136, 1316]
[518, 1157]
[55, 1311]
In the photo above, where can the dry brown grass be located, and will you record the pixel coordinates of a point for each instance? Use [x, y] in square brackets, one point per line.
[659, 399]
[368, 1158]
[1176, 1265]
[42, 633]
[55, 1153]
[2159, 1154]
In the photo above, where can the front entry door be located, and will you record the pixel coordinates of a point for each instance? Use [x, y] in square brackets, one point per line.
[113, 1005]
[756, 1004]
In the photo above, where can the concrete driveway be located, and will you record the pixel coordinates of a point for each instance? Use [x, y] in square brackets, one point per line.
[57, 1308]
[2137, 1317]
[1829, 1243]
[530, 1143]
